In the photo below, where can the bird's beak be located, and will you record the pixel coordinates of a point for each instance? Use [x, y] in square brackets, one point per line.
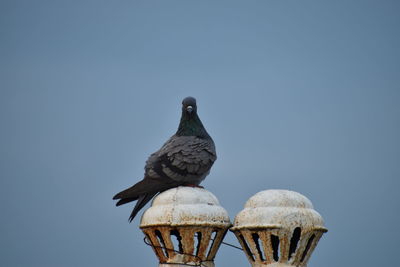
[189, 109]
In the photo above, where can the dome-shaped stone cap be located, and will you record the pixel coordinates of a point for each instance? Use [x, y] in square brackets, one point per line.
[184, 206]
[278, 209]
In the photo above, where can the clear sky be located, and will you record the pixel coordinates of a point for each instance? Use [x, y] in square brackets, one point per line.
[300, 95]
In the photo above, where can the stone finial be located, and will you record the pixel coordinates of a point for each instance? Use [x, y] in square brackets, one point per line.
[185, 225]
[278, 228]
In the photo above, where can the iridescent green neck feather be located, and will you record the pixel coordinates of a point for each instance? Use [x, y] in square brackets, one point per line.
[190, 125]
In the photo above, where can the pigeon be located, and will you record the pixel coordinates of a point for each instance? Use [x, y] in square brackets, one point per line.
[184, 160]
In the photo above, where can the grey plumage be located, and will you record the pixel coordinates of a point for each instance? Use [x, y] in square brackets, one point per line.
[185, 159]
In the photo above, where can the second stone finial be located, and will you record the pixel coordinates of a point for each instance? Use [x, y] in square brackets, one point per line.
[278, 228]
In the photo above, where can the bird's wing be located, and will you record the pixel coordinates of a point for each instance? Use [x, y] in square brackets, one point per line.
[183, 159]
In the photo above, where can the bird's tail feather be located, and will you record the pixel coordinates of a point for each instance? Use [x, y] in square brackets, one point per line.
[143, 192]
[135, 191]
[125, 200]
[143, 199]
[144, 186]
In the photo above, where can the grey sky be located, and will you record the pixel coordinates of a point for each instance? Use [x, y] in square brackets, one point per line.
[299, 95]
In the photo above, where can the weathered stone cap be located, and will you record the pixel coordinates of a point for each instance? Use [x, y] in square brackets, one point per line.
[278, 209]
[185, 206]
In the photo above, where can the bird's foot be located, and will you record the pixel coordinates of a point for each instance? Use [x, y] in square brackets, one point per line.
[194, 185]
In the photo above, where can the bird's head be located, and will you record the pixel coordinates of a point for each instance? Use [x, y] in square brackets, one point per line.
[189, 106]
[190, 124]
